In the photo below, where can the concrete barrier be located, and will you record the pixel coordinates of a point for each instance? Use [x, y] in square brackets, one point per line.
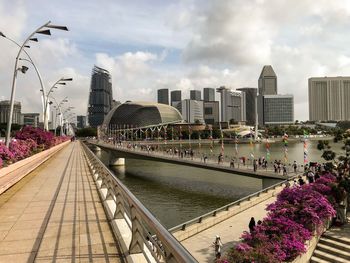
[13, 173]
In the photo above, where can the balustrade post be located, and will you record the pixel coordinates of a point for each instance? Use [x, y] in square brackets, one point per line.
[137, 240]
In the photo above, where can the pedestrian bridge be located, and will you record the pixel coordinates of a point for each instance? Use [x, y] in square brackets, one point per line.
[72, 209]
[125, 151]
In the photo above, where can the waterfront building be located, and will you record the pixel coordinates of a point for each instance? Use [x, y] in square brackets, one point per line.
[277, 110]
[233, 105]
[81, 121]
[211, 112]
[175, 97]
[267, 83]
[163, 96]
[140, 114]
[30, 119]
[209, 94]
[191, 110]
[100, 97]
[5, 111]
[195, 95]
[250, 104]
[329, 98]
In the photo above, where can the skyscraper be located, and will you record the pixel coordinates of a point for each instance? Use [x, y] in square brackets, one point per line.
[209, 94]
[163, 96]
[277, 110]
[81, 121]
[329, 98]
[267, 81]
[195, 95]
[175, 97]
[191, 110]
[101, 96]
[251, 94]
[232, 105]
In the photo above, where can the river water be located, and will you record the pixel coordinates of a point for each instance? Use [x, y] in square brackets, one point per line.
[176, 193]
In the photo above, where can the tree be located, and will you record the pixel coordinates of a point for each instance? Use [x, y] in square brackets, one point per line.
[86, 132]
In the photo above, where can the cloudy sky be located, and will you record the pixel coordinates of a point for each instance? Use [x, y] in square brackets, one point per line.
[189, 44]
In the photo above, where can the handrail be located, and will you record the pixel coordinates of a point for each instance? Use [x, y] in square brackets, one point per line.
[212, 213]
[142, 220]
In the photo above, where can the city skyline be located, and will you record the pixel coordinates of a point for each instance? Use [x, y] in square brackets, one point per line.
[145, 48]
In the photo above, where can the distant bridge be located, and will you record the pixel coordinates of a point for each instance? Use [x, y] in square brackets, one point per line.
[123, 151]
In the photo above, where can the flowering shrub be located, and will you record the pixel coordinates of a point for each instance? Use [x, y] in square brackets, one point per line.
[291, 220]
[41, 137]
[5, 153]
[27, 142]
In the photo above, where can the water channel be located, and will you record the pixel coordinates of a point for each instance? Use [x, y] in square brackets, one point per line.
[175, 193]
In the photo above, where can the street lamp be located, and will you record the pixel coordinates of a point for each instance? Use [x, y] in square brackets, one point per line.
[30, 60]
[61, 81]
[58, 106]
[45, 30]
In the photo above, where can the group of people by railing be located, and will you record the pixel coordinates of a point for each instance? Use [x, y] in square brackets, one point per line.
[235, 162]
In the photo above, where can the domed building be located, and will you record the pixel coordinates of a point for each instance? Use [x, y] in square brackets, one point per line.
[141, 114]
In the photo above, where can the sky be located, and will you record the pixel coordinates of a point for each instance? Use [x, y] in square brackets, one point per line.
[185, 44]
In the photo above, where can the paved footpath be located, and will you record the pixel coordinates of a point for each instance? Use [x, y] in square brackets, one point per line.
[54, 214]
[230, 231]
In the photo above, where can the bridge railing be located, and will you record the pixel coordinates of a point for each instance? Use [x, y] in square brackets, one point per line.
[148, 236]
[213, 213]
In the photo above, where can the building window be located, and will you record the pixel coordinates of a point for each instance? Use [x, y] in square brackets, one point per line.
[208, 111]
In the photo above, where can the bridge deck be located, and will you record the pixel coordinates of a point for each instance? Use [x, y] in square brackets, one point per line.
[55, 215]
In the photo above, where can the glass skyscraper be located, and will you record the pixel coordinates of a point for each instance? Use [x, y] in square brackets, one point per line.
[101, 96]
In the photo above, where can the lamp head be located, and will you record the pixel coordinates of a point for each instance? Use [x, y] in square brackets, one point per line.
[2, 34]
[24, 69]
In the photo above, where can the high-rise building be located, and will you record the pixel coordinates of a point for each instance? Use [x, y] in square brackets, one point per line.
[163, 96]
[101, 96]
[329, 99]
[250, 104]
[175, 97]
[209, 94]
[267, 81]
[81, 121]
[5, 111]
[233, 105]
[211, 112]
[30, 119]
[276, 110]
[195, 95]
[191, 110]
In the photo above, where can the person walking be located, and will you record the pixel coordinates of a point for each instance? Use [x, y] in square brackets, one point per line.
[251, 225]
[217, 247]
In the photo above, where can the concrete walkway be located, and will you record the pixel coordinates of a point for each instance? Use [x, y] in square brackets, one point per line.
[230, 231]
[55, 215]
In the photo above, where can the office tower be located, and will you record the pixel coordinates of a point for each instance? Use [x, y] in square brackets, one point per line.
[163, 96]
[250, 104]
[101, 96]
[209, 94]
[267, 81]
[329, 99]
[195, 95]
[232, 105]
[81, 121]
[211, 112]
[191, 110]
[276, 110]
[5, 111]
[175, 97]
[30, 119]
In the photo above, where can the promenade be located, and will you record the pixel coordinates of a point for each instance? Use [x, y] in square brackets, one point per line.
[54, 214]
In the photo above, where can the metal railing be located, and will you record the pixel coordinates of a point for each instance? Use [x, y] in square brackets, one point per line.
[148, 236]
[213, 213]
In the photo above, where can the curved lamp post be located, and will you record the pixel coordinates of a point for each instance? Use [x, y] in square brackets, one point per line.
[30, 60]
[44, 29]
[58, 106]
[61, 81]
